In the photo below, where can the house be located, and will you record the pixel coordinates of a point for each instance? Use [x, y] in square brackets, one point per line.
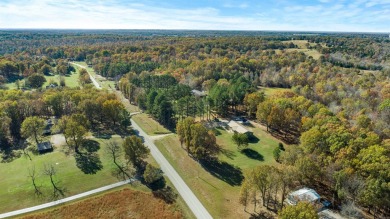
[45, 147]
[236, 127]
[303, 195]
[51, 86]
[198, 93]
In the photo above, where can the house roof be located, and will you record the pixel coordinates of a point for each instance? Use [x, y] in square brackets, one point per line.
[199, 93]
[304, 194]
[235, 126]
[44, 146]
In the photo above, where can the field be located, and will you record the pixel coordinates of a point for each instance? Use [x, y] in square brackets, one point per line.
[149, 125]
[268, 91]
[101, 80]
[70, 80]
[123, 203]
[303, 48]
[217, 185]
[17, 190]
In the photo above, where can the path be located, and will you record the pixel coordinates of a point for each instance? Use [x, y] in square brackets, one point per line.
[192, 201]
[61, 201]
[97, 85]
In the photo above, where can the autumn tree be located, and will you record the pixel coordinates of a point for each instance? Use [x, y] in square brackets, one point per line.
[135, 150]
[33, 127]
[251, 101]
[302, 210]
[36, 80]
[241, 140]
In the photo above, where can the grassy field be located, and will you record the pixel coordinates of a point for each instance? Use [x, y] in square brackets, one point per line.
[303, 48]
[120, 203]
[218, 186]
[149, 125]
[70, 80]
[107, 84]
[17, 190]
[268, 91]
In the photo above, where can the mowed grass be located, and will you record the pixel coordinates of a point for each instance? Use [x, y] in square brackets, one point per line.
[123, 203]
[149, 125]
[269, 91]
[302, 47]
[103, 82]
[218, 191]
[71, 80]
[16, 188]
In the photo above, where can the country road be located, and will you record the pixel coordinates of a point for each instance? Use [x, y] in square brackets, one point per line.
[97, 85]
[61, 201]
[192, 201]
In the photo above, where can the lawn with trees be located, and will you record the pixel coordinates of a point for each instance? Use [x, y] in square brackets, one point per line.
[327, 93]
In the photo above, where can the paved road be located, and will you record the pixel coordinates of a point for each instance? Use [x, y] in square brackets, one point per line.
[61, 201]
[97, 85]
[192, 201]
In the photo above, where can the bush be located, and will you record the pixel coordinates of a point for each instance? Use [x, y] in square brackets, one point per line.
[281, 146]
[276, 153]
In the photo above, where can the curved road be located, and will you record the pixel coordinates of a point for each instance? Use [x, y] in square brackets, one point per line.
[97, 85]
[192, 201]
[61, 201]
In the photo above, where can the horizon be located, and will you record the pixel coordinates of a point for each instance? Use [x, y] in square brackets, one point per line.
[351, 16]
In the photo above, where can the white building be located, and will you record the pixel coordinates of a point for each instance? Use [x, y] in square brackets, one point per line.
[305, 195]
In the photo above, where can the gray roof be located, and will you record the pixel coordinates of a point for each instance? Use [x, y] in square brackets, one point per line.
[304, 194]
[199, 93]
[44, 146]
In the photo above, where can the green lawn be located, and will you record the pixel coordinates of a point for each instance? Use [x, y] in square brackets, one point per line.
[149, 125]
[70, 80]
[218, 188]
[17, 190]
[104, 83]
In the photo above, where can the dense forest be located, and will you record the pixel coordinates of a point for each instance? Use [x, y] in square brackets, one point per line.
[337, 110]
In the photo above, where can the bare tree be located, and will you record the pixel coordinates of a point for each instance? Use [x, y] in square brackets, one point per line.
[50, 171]
[32, 175]
[115, 151]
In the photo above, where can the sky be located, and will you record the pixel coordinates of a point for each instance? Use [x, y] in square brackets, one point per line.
[288, 15]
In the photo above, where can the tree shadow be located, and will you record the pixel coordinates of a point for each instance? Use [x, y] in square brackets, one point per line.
[228, 153]
[91, 145]
[252, 154]
[224, 171]
[88, 163]
[167, 194]
[253, 139]
[261, 215]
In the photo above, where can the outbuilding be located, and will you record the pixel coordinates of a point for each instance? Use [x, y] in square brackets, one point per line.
[45, 147]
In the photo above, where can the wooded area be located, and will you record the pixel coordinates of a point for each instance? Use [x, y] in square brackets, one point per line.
[336, 111]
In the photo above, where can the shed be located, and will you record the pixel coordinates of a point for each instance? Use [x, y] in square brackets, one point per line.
[199, 93]
[304, 194]
[45, 147]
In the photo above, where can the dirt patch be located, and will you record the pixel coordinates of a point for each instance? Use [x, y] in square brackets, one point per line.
[125, 203]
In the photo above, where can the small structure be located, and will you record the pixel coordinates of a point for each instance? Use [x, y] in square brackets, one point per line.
[236, 127]
[198, 93]
[303, 195]
[51, 86]
[48, 125]
[45, 147]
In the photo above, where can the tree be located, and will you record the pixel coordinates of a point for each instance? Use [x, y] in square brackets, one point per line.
[153, 176]
[135, 150]
[241, 140]
[32, 175]
[36, 80]
[33, 127]
[276, 153]
[114, 150]
[302, 210]
[113, 110]
[74, 130]
[203, 143]
[251, 101]
[50, 171]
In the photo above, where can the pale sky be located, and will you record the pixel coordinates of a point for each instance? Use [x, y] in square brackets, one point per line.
[303, 15]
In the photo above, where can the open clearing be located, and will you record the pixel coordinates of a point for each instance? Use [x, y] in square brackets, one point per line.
[149, 125]
[18, 191]
[123, 203]
[218, 186]
[302, 47]
[268, 91]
